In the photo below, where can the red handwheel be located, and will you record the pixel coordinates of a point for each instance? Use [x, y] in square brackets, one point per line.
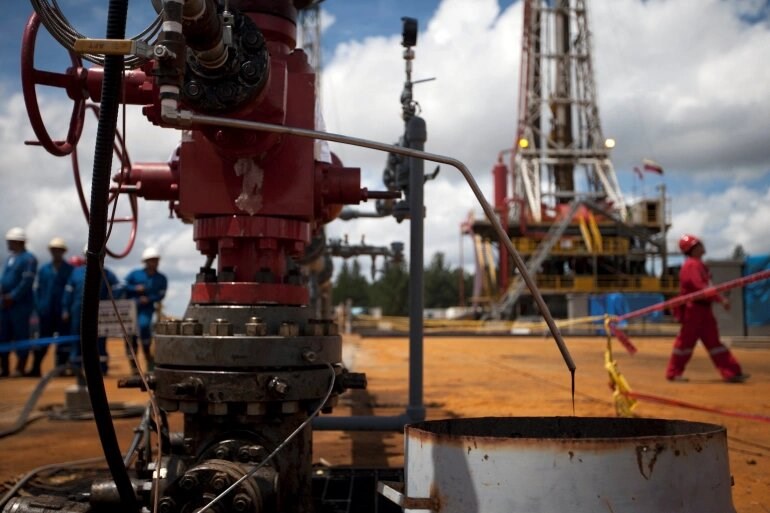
[125, 164]
[30, 77]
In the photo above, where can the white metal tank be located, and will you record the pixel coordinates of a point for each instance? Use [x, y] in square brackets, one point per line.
[558, 464]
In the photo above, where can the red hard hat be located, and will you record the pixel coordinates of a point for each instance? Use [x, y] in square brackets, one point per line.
[687, 242]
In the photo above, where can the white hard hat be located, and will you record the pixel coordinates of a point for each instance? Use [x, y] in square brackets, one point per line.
[57, 243]
[150, 254]
[16, 234]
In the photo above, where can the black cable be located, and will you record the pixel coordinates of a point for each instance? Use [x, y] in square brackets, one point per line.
[100, 184]
[140, 432]
[24, 416]
[32, 473]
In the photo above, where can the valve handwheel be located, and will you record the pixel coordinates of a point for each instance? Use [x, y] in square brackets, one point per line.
[30, 77]
[125, 168]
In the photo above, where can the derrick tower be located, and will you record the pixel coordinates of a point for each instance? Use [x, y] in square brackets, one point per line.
[558, 193]
[560, 140]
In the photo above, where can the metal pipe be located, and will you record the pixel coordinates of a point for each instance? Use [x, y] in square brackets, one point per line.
[416, 135]
[349, 213]
[187, 118]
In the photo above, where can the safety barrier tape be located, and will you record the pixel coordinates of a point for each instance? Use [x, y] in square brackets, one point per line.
[403, 322]
[21, 345]
[700, 294]
[681, 404]
[625, 399]
[709, 292]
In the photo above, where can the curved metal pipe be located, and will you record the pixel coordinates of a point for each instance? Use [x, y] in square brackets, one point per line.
[187, 118]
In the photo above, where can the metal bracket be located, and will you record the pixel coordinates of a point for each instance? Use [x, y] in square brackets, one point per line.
[394, 492]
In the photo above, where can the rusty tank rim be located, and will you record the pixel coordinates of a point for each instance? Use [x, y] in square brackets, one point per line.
[567, 430]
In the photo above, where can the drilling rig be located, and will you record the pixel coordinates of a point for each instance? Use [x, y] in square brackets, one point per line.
[556, 189]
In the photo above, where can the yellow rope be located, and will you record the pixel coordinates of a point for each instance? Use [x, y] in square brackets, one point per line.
[624, 404]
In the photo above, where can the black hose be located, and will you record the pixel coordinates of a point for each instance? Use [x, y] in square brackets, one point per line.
[24, 416]
[32, 473]
[140, 431]
[100, 184]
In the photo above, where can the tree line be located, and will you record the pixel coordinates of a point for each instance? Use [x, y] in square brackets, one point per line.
[390, 288]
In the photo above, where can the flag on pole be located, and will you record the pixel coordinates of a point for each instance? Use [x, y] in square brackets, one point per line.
[638, 173]
[652, 166]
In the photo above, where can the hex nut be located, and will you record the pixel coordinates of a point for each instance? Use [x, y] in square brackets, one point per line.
[166, 505]
[220, 481]
[309, 356]
[278, 386]
[288, 329]
[191, 327]
[314, 328]
[331, 328]
[241, 502]
[188, 482]
[173, 327]
[160, 328]
[251, 453]
[257, 452]
[256, 327]
[220, 328]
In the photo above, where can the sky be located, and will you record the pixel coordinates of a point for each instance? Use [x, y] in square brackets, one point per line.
[684, 82]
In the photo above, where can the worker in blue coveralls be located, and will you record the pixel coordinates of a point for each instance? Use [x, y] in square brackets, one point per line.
[72, 306]
[51, 280]
[148, 288]
[18, 301]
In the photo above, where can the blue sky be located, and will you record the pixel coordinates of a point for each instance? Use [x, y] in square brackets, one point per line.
[682, 81]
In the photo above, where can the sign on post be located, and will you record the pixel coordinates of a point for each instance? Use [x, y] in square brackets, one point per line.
[110, 317]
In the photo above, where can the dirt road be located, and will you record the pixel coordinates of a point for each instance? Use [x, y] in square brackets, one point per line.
[464, 377]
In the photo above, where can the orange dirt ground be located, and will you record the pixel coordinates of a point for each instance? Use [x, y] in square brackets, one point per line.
[464, 377]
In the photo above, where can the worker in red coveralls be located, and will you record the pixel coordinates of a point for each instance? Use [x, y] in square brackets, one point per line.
[698, 321]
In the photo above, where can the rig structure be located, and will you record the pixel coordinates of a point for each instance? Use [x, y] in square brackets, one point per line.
[556, 190]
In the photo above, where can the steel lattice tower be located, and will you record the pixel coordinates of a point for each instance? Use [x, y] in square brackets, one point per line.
[560, 153]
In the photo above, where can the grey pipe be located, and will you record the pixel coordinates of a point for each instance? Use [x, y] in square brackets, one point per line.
[416, 135]
[366, 422]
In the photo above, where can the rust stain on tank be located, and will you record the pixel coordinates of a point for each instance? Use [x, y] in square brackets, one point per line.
[641, 451]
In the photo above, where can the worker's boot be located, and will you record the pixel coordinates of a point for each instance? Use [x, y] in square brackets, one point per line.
[21, 363]
[37, 362]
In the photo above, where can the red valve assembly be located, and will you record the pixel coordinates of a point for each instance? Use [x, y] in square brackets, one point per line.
[250, 361]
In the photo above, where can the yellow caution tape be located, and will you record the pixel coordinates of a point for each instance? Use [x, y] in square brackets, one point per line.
[624, 403]
[485, 326]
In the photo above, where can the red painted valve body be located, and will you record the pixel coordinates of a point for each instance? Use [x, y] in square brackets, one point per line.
[288, 193]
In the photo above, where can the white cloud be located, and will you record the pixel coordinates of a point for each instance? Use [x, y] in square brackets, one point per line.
[327, 20]
[684, 82]
[725, 219]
